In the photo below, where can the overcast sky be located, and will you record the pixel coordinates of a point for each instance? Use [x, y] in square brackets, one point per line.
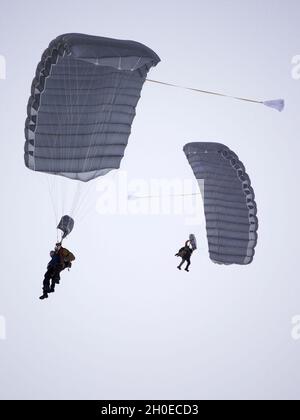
[124, 323]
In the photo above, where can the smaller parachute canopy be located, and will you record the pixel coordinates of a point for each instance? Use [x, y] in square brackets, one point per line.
[66, 225]
[229, 202]
[193, 241]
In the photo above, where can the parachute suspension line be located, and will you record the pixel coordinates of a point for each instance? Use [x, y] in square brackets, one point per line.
[69, 126]
[75, 199]
[82, 193]
[66, 125]
[79, 195]
[77, 120]
[277, 104]
[71, 121]
[60, 195]
[81, 200]
[53, 181]
[136, 64]
[85, 205]
[84, 213]
[51, 192]
[46, 185]
[50, 181]
[83, 197]
[99, 126]
[140, 197]
[73, 118]
[89, 90]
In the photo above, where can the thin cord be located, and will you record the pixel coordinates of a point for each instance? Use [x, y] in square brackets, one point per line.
[167, 195]
[206, 92]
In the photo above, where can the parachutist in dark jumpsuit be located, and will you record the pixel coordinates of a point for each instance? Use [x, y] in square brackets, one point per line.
[54, 268]
[185, 253]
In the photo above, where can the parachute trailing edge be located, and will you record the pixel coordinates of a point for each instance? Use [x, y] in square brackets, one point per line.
[229, 202]
[82, 104]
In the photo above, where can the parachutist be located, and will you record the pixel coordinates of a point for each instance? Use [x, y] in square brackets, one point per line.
[61, 258]
[185, 253]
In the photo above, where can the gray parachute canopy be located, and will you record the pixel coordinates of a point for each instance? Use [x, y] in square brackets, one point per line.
[229, 204]
[66, 225]
[82, 104]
